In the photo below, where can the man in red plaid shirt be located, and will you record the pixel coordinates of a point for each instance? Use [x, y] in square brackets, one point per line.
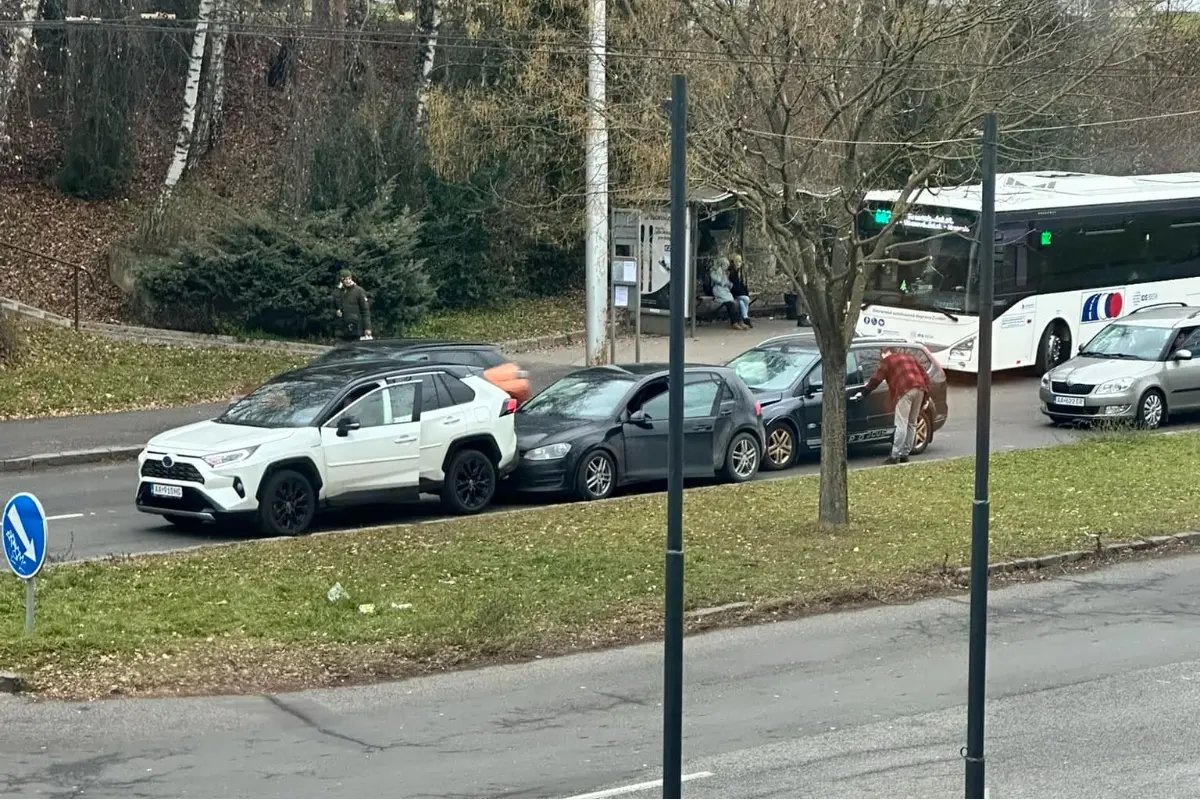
[908, 386]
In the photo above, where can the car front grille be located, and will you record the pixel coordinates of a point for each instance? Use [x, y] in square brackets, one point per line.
[153, 468]
[1073, 411]
[193, 500]
[1063, 387]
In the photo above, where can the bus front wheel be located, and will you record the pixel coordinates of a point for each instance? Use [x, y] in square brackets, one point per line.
[1054, 348]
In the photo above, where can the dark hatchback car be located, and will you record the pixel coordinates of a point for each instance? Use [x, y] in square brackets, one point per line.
[605, 427]
[496, 367]
[785, 375]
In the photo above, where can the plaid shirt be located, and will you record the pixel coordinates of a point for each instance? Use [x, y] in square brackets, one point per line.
[902, 373]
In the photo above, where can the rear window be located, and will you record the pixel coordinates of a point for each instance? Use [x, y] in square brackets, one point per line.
[492, 358]
[921, 358]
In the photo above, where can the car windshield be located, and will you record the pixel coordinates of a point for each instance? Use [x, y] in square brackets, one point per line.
[283, 403]
[1141, 342]
[772, 370]
[587, 395]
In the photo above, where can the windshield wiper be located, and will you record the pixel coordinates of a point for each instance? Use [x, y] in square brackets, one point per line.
[1098, 354]
[952, 317]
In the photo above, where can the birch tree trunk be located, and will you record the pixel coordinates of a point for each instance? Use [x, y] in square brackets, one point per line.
[22, 38]
[431, 22]
[213, 103]
[191, 96]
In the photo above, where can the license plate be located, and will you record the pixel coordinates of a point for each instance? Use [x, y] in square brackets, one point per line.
[1060, 400]
[164, 490]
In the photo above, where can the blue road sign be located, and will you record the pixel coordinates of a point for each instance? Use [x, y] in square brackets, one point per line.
[24, 533]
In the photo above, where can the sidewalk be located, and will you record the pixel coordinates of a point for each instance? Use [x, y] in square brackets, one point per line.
[60, 441]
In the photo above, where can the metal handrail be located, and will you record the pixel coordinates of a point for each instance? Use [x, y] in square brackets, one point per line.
[75, 269]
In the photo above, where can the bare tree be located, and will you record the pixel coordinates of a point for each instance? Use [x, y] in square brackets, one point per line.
[800, 109]
[20, 40]
[212, 107]
[191, 96]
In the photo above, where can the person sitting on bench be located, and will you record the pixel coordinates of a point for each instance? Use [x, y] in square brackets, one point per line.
[723, 294]
[739, 289]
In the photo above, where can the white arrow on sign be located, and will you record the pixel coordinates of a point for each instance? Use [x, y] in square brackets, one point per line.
[15, 519]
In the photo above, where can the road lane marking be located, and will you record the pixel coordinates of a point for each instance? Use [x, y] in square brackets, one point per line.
[65, 516]
[636, 787]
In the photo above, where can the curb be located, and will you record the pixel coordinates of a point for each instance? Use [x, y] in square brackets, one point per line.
[69, 458]
[543, 342]
[166, 336]
[1070, 557]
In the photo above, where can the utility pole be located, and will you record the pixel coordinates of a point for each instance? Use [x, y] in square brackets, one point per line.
[596, 256]
[981, 508]
[673, 606]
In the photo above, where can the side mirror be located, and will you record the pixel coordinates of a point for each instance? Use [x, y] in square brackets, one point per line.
[813, 389]
[639, 418]
[1183, 355]
[346, 424]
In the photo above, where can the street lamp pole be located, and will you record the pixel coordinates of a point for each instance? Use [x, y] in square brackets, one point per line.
[981, 508]
[673, 634]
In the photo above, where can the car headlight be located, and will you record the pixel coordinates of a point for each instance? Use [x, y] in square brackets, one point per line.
[549, 452]
[229, 457]
[1046, 381]
[1115, 387]
[967, 344]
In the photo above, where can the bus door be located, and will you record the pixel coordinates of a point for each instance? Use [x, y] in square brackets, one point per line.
[1015, 332]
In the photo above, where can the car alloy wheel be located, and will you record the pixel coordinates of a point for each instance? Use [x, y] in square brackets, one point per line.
[1152, 410]
[781, 447]
[921, 437]
[474, 482]
[741, 463]
[598, 476]
[291, 505]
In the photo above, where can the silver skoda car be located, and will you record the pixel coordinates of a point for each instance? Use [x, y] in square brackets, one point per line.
[1140, 368]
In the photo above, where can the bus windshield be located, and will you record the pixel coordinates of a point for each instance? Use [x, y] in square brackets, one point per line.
[935, 272]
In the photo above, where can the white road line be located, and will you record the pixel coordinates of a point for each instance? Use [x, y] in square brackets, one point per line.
[636, 787]
[65, 516]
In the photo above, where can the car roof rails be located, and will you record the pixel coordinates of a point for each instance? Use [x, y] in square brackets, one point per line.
[1157, 305]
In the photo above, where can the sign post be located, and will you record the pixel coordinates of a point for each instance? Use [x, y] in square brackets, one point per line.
[24, 533]
[625, 294]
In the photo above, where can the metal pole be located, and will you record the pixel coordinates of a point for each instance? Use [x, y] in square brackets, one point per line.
[673, 662]
[980, 510]
[30, 602]
[612, 325]
[77, 298]
[596, 178]
[637, 322]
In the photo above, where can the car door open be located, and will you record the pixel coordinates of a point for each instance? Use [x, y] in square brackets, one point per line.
[374, 444]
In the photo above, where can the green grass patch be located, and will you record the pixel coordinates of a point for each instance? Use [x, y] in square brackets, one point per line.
[256, 616]
[64, 372]
[515, 319]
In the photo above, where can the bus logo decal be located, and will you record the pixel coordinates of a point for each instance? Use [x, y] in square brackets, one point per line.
[1104, 305]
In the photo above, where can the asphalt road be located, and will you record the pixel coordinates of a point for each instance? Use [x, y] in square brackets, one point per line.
[93, 514]
[1093, 685]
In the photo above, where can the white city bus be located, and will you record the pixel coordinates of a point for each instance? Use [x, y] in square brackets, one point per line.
[1073, 252]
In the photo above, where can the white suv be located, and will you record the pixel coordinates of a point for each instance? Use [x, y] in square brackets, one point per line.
[335, 434]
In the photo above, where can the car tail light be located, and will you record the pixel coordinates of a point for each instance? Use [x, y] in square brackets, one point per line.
[757, 409]
[509, 407]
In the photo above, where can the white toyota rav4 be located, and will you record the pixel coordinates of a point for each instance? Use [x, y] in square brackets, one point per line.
[333, 435]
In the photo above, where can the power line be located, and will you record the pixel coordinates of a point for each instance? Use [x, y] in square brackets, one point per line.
[933, 143]
[558, 46]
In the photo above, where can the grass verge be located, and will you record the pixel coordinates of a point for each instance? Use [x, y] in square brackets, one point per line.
[63, 372]
[257, 617]
[516, 319]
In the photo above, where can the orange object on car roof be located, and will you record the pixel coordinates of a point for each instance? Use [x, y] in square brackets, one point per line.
[512, 379]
